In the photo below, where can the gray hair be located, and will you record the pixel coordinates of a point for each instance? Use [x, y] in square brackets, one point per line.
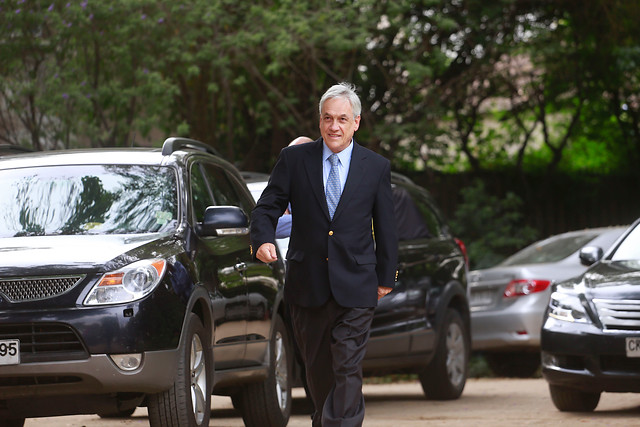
[343, 90]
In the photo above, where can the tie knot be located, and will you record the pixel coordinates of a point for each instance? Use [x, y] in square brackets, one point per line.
[333, 159]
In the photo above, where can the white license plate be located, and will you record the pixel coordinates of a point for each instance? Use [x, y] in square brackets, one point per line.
[9, 352]
[482, 298]
[633, 346]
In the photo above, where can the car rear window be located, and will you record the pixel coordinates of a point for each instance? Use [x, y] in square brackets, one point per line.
[87, 199]
[549, 250]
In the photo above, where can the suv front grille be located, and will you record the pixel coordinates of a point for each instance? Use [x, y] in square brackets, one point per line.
[618, 314]
[45, 342]
[36, 288]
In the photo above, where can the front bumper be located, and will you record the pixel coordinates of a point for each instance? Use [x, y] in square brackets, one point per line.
[95, 375]
[584, 357]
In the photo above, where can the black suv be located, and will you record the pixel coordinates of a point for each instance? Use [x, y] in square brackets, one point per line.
[590, 337]
[423, 325]
[126, 280]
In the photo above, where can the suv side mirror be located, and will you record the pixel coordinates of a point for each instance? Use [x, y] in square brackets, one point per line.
[589, 255]
[224, 221]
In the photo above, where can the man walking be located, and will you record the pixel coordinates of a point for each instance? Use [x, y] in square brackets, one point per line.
[336, 271]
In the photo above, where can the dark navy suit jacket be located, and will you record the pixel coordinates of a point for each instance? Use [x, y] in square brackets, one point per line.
[327, 257]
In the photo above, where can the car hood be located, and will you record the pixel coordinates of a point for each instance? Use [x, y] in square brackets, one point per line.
[613, 279]
[87, 252]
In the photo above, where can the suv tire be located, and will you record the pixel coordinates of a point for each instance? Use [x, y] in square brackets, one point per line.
[188, 402]
[572, 400]
[445, 376]
[268, 403]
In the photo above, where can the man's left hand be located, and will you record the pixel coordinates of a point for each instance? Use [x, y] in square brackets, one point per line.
[383, 290]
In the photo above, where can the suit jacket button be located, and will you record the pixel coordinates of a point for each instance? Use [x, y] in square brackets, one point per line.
[330, 233]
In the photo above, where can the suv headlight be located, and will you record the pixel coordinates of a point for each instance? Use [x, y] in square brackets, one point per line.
[130, 283]
[567, 307]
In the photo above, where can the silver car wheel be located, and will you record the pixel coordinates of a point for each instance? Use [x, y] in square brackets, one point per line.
[281, 372]
[455, 354]
[198, 371]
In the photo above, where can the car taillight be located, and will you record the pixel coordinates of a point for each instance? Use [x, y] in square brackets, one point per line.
[463, 248]
[517, 288]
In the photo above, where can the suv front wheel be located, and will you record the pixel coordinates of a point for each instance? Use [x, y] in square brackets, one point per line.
[571, 400]
[188, 402]
[268, 403]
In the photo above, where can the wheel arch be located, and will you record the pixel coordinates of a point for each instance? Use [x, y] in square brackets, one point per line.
[200, 305]
[454, 295]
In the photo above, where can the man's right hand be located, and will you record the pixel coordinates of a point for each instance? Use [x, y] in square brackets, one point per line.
[267, 253]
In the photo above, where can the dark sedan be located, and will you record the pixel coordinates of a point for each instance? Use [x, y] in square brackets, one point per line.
[591, 333]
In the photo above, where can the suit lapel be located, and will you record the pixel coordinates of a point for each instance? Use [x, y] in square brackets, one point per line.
[356, 173]
[313, 166]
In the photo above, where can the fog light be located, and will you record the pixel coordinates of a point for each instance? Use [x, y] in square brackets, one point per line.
[127, 362]
[549, 360]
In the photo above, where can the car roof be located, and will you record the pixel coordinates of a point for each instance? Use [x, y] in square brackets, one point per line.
[96, 156]
[113, 156]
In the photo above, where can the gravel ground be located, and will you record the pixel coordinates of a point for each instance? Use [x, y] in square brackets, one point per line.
[485, 402]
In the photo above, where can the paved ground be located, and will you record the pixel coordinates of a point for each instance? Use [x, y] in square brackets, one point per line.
[485, 402]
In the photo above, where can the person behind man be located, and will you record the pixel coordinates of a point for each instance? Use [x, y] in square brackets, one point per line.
[283, 230]
[336, 272]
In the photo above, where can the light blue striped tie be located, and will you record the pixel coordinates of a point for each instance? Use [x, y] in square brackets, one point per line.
[333, 185]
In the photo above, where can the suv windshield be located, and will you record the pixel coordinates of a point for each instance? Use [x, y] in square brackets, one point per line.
[87, 199]
[629, 248]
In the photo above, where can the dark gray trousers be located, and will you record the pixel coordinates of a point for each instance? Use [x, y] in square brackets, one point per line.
[332, 340]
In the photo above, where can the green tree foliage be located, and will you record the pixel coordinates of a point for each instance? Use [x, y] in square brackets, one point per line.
[565, 85]
[492, 227]
[446, 84]
[78, 73]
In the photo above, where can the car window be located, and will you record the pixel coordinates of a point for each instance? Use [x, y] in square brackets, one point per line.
[414, 217]
[550, 250]
[201, 197]
[226, 190]
[247, 202]
[629, 248]
[87, 199]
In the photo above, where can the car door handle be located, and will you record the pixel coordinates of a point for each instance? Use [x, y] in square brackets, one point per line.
[240, 267]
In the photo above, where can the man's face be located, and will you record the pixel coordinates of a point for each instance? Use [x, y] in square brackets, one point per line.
[337, 124]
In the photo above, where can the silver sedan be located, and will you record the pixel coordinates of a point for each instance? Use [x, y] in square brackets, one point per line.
[508, 300]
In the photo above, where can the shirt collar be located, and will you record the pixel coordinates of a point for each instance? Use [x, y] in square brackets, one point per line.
[344, 155]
